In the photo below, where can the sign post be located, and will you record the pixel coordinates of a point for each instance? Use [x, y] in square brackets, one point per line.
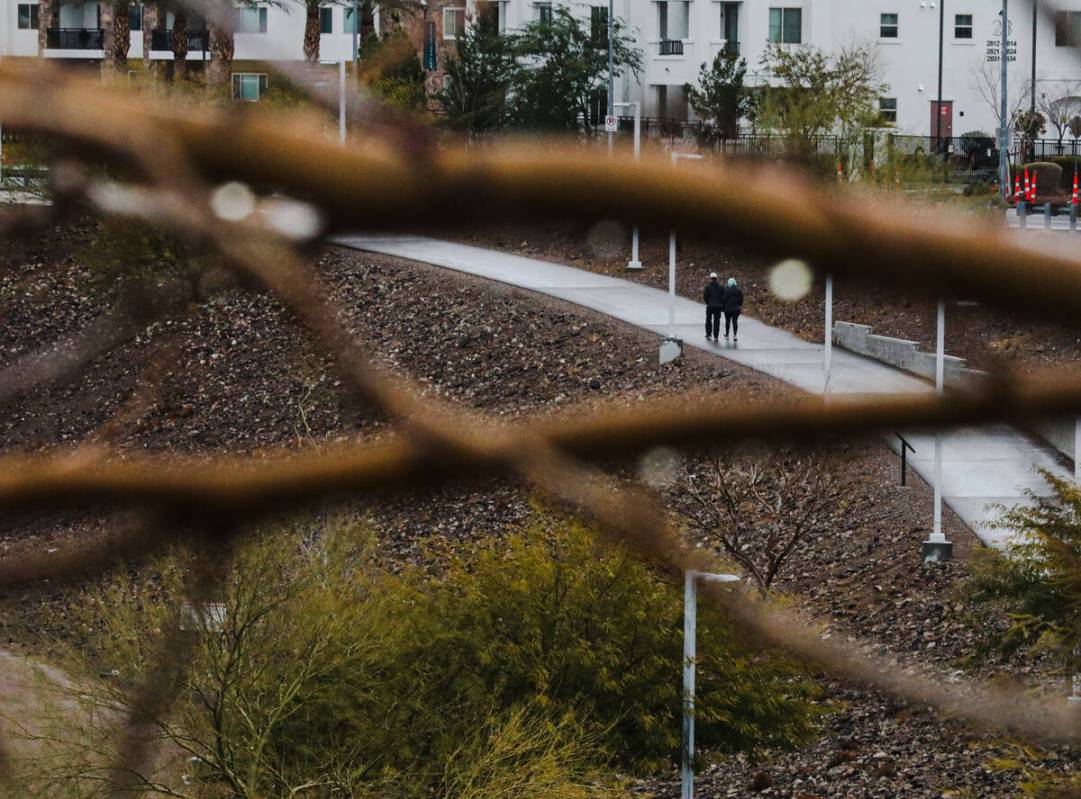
[611, 124]
[635, 264]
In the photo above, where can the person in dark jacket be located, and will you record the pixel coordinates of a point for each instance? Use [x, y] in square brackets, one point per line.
[714, 298]
[733, 306]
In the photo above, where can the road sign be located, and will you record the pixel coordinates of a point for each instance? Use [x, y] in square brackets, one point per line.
[611, 124]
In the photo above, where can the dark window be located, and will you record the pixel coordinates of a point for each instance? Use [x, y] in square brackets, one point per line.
[1067, 28]
[887, 28]
[785, 25]
[135, 18]
[598, 21]
[326, 20]
[962, 26]
[887, 106]
[28, 16]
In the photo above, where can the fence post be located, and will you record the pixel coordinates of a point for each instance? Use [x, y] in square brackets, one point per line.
[1047, 216]
[1022, 212]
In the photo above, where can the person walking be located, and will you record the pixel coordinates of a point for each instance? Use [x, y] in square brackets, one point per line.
[714, 298]
[733, 307]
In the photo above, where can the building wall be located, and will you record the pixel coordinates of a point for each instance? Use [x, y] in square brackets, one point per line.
[909, 62]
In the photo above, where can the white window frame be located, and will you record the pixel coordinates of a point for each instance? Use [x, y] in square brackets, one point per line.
[784, 10]
[262, 19]
[455, 11]
[538, 11]
[886, 112]
[883, 25]
[971, 26]
[262, 84]
[33, 7]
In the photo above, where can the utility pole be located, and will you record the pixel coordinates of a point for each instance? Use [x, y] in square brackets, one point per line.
[611, 71]
[1004, 122]
[1035, 17]
[938, 123]
[341, 101]
[827, 352]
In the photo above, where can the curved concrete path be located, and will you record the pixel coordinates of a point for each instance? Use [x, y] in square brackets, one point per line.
[981, 467]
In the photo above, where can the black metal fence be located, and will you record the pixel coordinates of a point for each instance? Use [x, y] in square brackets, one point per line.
[162, 40]
[74, 38]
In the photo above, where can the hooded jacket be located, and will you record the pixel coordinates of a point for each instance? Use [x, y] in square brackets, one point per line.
[733, 299]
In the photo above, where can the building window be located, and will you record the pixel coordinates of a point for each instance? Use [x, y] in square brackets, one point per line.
[962, 26]
[453, 22]
[598, 22]
[249, 86]
[326, 20]
[887, 107]
[28, 17]
[348, 26]
[673, 20]
[887, 27]
[544, 13]
[135, 18]
[785, 25]
[1067, 28]
[251, 20]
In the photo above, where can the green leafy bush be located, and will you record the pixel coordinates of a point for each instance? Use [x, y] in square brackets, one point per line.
[519, 669]
[1037, 579]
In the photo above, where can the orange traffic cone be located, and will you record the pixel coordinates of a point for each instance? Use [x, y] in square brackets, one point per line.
[1028, 189]
[1017, 187]
[1073, 199]
[1032, 187]
[840, 172]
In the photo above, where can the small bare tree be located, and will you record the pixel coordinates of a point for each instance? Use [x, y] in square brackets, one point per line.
[1058, 105]
[987, 83]
[760, 512]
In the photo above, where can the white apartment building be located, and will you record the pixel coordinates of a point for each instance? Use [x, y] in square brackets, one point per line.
[675, 37]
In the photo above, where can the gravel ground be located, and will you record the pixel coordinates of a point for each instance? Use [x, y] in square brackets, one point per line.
[238, 375]
[985, 337]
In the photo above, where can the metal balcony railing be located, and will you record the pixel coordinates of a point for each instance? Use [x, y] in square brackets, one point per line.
[162, 40]
[74, 38]
[671, 47]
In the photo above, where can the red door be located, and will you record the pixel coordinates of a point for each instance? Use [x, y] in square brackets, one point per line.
[942, 119]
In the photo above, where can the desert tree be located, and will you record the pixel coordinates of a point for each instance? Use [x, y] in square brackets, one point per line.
[479, 74]
[987, 84]
[760, 511]
[720, 98]
[565, 70]
[811, 93]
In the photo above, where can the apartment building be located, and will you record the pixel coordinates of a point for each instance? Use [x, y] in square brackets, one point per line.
[675, 37]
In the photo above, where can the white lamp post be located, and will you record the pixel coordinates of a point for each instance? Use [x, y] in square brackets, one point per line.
[634, 263]
[937, 547]
[672, 347]
[690, 653]
[827, 353]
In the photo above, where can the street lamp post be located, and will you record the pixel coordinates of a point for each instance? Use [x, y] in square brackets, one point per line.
[671, 346]
[690, 654]
[341, 101]
[827, 352]
[1003, 128]
[937, 547]
[634, 263]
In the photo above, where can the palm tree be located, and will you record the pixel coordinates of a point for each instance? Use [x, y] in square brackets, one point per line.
[366, 8]
[116, 22]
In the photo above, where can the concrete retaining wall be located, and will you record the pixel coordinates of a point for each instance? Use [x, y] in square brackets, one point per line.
[903, 354]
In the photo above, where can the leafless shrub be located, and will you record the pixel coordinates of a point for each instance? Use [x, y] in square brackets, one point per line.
[760, 511]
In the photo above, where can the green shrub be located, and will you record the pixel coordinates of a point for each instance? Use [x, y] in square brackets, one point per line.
[1038, 578]
[520, 669]
[1048, 177]
[1068, 163]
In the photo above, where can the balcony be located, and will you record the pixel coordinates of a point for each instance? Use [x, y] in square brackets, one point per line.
[671, 47]
[74, 39]
[161, 40]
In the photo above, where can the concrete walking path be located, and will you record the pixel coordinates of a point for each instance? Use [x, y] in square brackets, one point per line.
[981, 467]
